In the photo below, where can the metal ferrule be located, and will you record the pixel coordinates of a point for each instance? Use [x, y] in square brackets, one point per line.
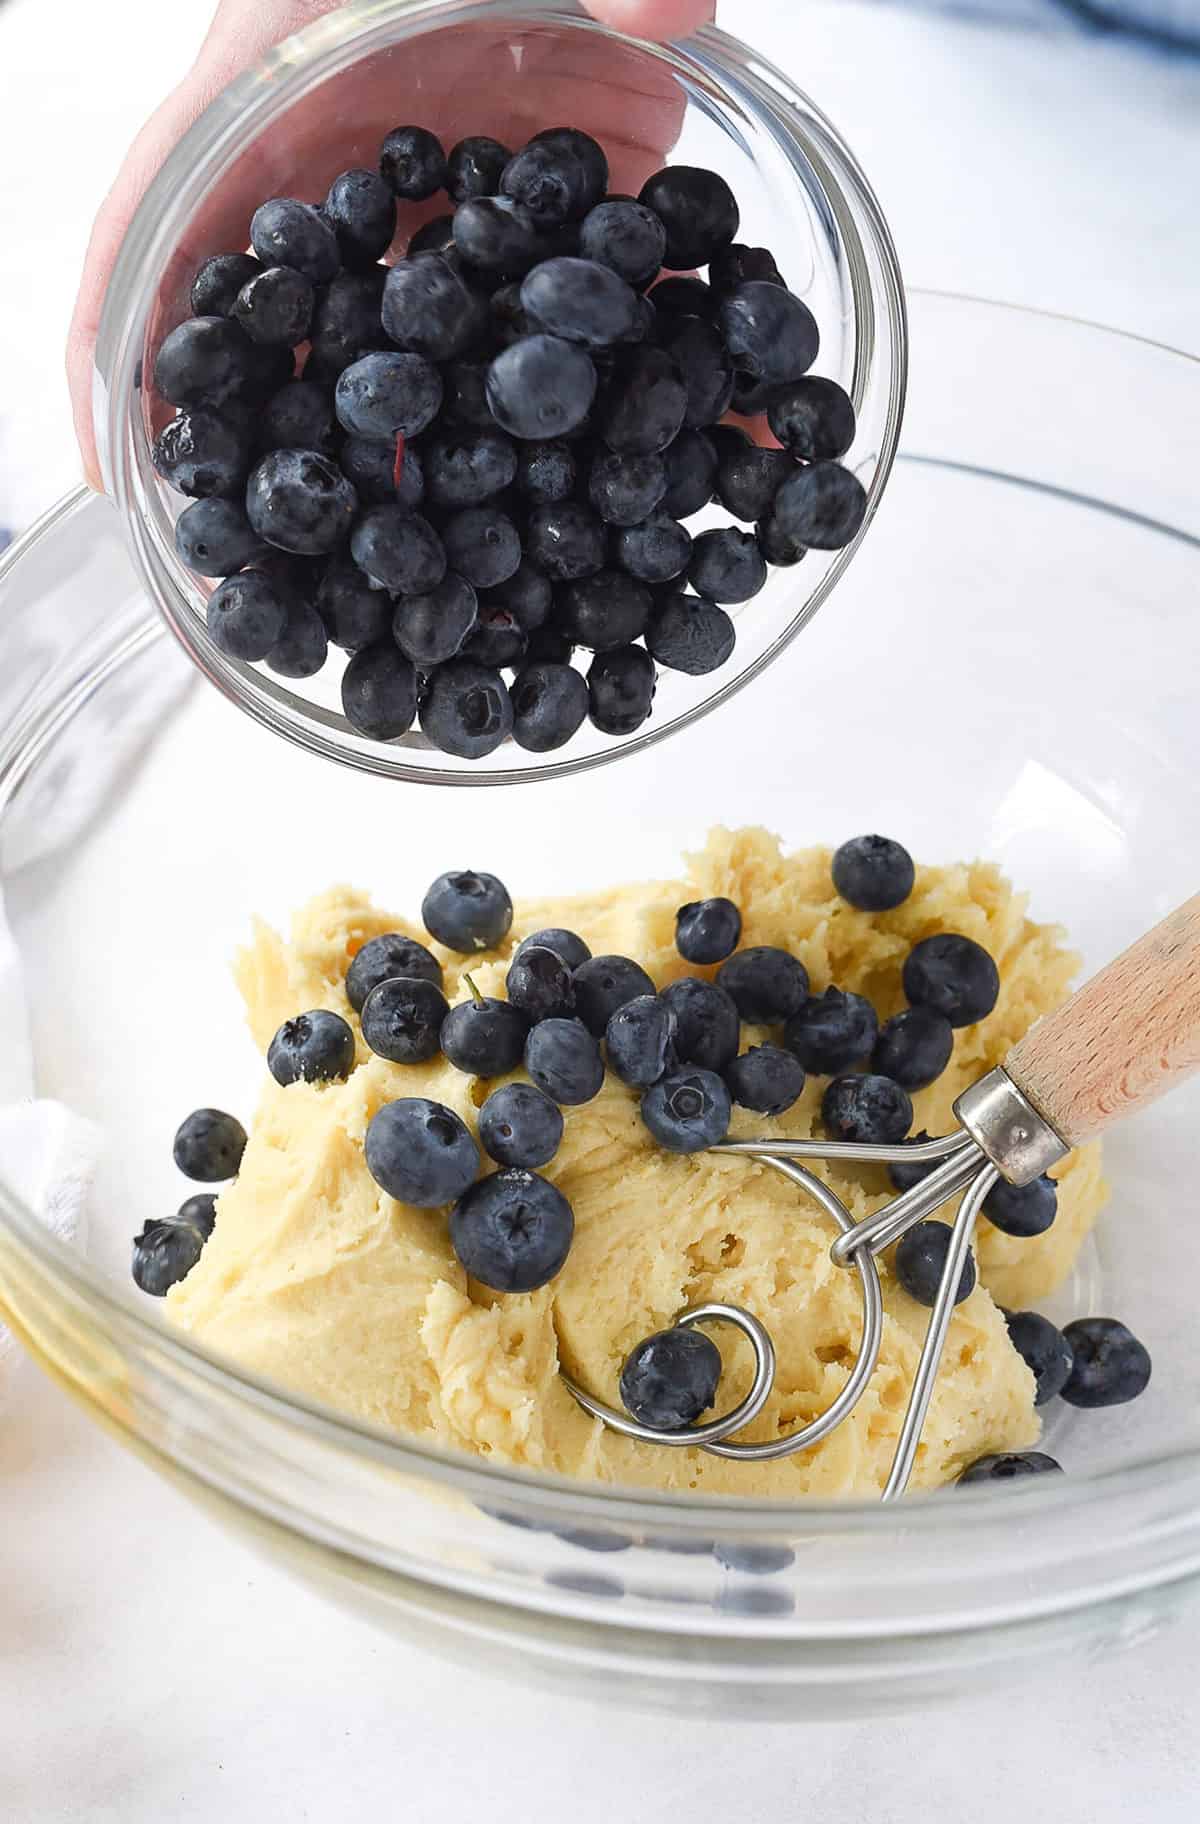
[1006, 1126]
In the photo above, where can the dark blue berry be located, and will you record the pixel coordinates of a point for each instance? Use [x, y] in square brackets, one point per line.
[399, 550]
[540, 984]
[541, 387]
[921, 1260]
[497, 639]
[379, 692]
[379, 477]
[813, 419]
[550, 704]
[527, 594]
[284, 232]
[765, 1079]
[484, 1037]
[385, 394]
[904, 1176]
[431, 628]
[1010, 1466]
[300, 501]
[581, 301]
[820, 507]
[691, 469]
[548, 646]
[467, 911]
[218, 282]
[673, 298]
[512, 1231]
[316, 1047]
[707, 930]
[777, 546]
[707, 1027]
[625, 489]
[549, 181]
[567, 944]
[698, 210]
[202, 453]
[467, 711]
[1109, 1364]
[640, 1041]
[346, 320]
[412, 162]
[382, 958]
[687, 1111]
[767, 985]
[656, 550]
[913, 1047]
[275, 306]
[464, 397]
[465, 469]
[564, 1061]
[566, 540]
[727, 565]
[482, 544]
[866, 1108]
[748, 476]
[604, 983]
[1022, 1209]
[832, 1031]
[204, 361]
[737, 265]
[402, 1019]
[214, 537]
[361, 210]
[355, 614]
[687, 634]
[163, 1254]
[626, 237]
[246, 615]
[420, 1152]
[519, 1125]
[1044, 1349]
[771, 336]
[509, 318]
[699, 354]
[644, 402]
[430, 309]
[954, 975]
[545, 472]
[873, 873]
[498, 235]
[303, 646]
[474, 167]
[670, 1378]
[604, 611]
[300, 416]
[209, 1145]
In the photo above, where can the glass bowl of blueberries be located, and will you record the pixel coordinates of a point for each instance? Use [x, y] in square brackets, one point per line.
[475, 446]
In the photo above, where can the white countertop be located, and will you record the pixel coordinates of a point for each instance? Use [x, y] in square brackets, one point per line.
[152, 1670]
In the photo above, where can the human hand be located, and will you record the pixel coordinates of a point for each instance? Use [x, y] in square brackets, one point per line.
[607, 96]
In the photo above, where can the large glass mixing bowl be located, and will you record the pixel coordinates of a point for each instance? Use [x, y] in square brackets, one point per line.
[1012, 671]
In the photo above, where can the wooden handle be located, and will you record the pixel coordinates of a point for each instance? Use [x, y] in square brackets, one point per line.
[1126, 1037]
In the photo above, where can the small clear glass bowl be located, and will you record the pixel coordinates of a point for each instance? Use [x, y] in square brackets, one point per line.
[322, 102]
[1021, 683]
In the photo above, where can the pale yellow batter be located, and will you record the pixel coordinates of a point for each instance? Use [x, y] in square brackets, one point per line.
[317, 1278]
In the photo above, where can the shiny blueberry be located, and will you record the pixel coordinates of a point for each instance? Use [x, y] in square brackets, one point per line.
[275, 306]
[1044, 1349]
[303, 646]
[402, 1019]
[581, 301]
[687, 634]
[727, 565]
[767, 985]
[604, 983]
[1010, 1466]
[1109, 1367]
[467, 911]
[687, 1111]
[625, 489]
[204, 361]
[640, 1041]
[475, 166]
[707, 930]
[691, 469]
[832, 1032]
[866, 1108]
[381, 958]
[626, 237]
[540, 984]
[214, 538]
[218, 282]
[379, 692]
[284, 232]
[482, 544]
[386, 394]
[399, 550]
[467, 468]
[1022, 1209]
[670, 1378]
[519, 1125]
[748, 476]
[420, 1152]
[468, 710]
[541, 387]
[246, 615]
[921, 1257]
[512, 1231]
[300, 501]
[873, 873]
[698, 210]
[707, 1024]
[545, 471]
[656, 550]
[209, 1145]
[483, 1036]
[604, 611]
[913, 1047]
[766, 1079]
[564, 1061]
[433, 627]
[738, 264]
[499, 235]
[316, 1047]
[361, 209]
[550, 704]
[557, 177]
[430, 309]
[202, 453]
[954, 975]
[813, 419]
[566, 540]
[771, 336]
[822, 506]
[644, 402]
[163, 1254]
[413, 163]
[379, 475]
[567, 944]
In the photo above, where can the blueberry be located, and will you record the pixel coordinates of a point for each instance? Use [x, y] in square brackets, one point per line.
[385, 395]
[549, 181]
[467, 711]
[832, 1031]
[727, 565]
[604, 611]
[346, 319]
[482, 544]
[300, 501]
[497, 639]
[581, 301]
[913, 1047]
[399, 550]
[621, 689]
[464, 469]
[821, 506]
[625, 489]
[383, 958]
[548, 646]
[214, 538]
[567, 944]
[813, 419]
[402, 1019]
[420, 1152]
[498, 235]
[737, 265]
[433, 627]
[512, 1231]
[519, 1125]
[541, 387]
[566, 540]
[670, 1378]
[527, 594]
[873, 873]
[1109, 1365]
[316, 1047]
[707, 930]
[384, 474]
[275, 306]
[413, 163]
[205, 361]
[545, 472]
[655, 551]
[539, 983]
[379, 692]
[954, 975]
[867, 1108]
[510, 320]
[299, 417]
[687, 1111]
[706, 1019]
[163, 1254]
[604, 983]
[1023, 1210]
[475, 166]
[209, 1146]
[1044, 1349]
[355, 614]
[464, 397]
[640, 1040]
[699, 353]
[644, 402]
[429, 309]
[771, 336]
[691, 470]
[284, 232]
[202, 453]
[748, 476]
[218, 282]
[564, 1060]
[698, 210]
[246, 616]
[303, 646]
[587, 152]
[683, 298]
[765, 1079]
[626, 237]
[766, 985]
[904, 1176]
[1010, 1466]
[688, 634]
[921, 1259]
[361, 209]
[550, 704]
[777, 546]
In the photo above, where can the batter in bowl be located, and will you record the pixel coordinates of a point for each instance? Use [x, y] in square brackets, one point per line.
[316, 1277]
